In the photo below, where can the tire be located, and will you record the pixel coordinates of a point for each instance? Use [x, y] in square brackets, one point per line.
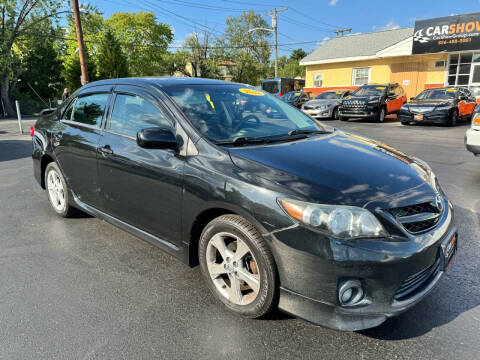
[380, 118]
[452, 120]
[335, 113]
[57, 191]
[256, 264]
[405, 123]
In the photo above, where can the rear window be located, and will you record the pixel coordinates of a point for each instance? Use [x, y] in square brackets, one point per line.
[270, 86]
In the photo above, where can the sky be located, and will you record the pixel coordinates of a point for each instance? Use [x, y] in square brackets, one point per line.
[305, 24]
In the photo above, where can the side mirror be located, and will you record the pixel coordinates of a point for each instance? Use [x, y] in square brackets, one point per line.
[157, 138]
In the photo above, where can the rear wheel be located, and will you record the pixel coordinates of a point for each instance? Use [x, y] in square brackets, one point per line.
[57, 191]
[452, 120]
[238, 266]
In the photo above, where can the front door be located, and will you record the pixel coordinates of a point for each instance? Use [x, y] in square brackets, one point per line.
[75, 145]
[142, 187]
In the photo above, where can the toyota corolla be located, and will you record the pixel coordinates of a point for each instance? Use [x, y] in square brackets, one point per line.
[280, 212]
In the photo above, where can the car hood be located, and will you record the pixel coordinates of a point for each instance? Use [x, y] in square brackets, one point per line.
[439, 102]
[362, 98]
[338, 168]
[322, 102]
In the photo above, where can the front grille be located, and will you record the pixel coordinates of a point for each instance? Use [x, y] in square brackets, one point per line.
[353, 104]
[417, 218]
[417, 282]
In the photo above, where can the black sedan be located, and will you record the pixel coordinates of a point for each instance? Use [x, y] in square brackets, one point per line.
[326, 225]
[439, 106]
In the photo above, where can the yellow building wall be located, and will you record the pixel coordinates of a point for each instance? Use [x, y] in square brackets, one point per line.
[340, 74]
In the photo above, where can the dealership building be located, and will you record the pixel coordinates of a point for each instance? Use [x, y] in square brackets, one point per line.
[436, 52]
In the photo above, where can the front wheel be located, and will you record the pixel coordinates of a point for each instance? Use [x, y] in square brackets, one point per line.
[452, 120]
[343, 118]
[335, 113]
[381, 115]
[238, 266]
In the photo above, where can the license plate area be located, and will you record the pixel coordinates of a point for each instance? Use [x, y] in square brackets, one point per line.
[449, 250]
[418, 117]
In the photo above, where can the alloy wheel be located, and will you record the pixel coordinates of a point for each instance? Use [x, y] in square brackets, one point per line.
[56, 190]
[233, 268]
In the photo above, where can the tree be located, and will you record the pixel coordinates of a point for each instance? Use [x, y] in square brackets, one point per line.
[197, 49]
[290, 68]
[250, 51]
[144, 40]
[111, 60]
[17, 19]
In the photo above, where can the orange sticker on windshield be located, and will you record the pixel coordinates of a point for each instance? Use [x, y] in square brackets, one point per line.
[251, 92]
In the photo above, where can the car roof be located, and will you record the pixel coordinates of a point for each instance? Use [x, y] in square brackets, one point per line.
[160, 81]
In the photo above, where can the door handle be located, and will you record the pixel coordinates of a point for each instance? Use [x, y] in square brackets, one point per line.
[106, 150]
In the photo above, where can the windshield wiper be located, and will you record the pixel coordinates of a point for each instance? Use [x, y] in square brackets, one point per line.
[241, 140]
[307, 131]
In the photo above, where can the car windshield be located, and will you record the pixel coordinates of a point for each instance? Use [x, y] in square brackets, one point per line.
[270, 86]
[224, 113]
[291, 96]
[330, 95]
[370, 90]
[437, 94]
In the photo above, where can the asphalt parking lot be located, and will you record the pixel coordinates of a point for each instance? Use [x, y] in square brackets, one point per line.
[82, 289]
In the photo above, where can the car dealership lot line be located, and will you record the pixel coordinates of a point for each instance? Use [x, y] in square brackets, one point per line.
[83, 289]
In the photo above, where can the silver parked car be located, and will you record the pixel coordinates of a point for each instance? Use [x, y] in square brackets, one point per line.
[326, 104]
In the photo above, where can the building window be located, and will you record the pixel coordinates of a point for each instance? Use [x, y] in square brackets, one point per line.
[360, 76]
[318, 80]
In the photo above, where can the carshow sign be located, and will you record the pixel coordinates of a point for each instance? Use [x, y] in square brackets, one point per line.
[445, 34]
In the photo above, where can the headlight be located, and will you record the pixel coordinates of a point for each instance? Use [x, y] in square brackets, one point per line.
[444, 107]
[374, 102]
[344, 222]
[405, 107]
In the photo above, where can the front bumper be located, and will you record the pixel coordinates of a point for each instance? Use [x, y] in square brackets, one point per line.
[364, 112]
[319, 113]
[472, 141]
[434, 117]
[310, 276]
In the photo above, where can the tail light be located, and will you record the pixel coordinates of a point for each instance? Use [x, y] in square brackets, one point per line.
[32, 130]
[280, 95]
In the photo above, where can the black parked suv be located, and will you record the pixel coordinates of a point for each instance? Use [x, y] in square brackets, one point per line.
[373, 101]
[279, 212]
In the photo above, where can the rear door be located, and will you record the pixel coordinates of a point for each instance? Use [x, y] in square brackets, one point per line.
[466, 103]
[142, 187]
[395, 102]
[75, 143]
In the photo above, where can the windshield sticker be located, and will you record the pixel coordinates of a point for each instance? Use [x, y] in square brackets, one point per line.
[381, 88]
[251, 92]
[451, 90]
[297, 94]
[207, 96]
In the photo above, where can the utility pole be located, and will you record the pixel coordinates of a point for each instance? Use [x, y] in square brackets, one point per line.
[81, 48]
[274, 15]
[341, 31]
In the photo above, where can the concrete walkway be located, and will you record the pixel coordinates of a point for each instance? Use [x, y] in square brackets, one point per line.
[9, 127]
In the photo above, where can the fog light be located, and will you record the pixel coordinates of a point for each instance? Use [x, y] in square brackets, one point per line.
[350, 292]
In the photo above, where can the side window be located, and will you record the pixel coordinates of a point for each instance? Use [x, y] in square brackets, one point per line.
[89, 109]
[67, 115]
[132, 113]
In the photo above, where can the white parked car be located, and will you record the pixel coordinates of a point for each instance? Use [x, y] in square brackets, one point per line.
[472, 137]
